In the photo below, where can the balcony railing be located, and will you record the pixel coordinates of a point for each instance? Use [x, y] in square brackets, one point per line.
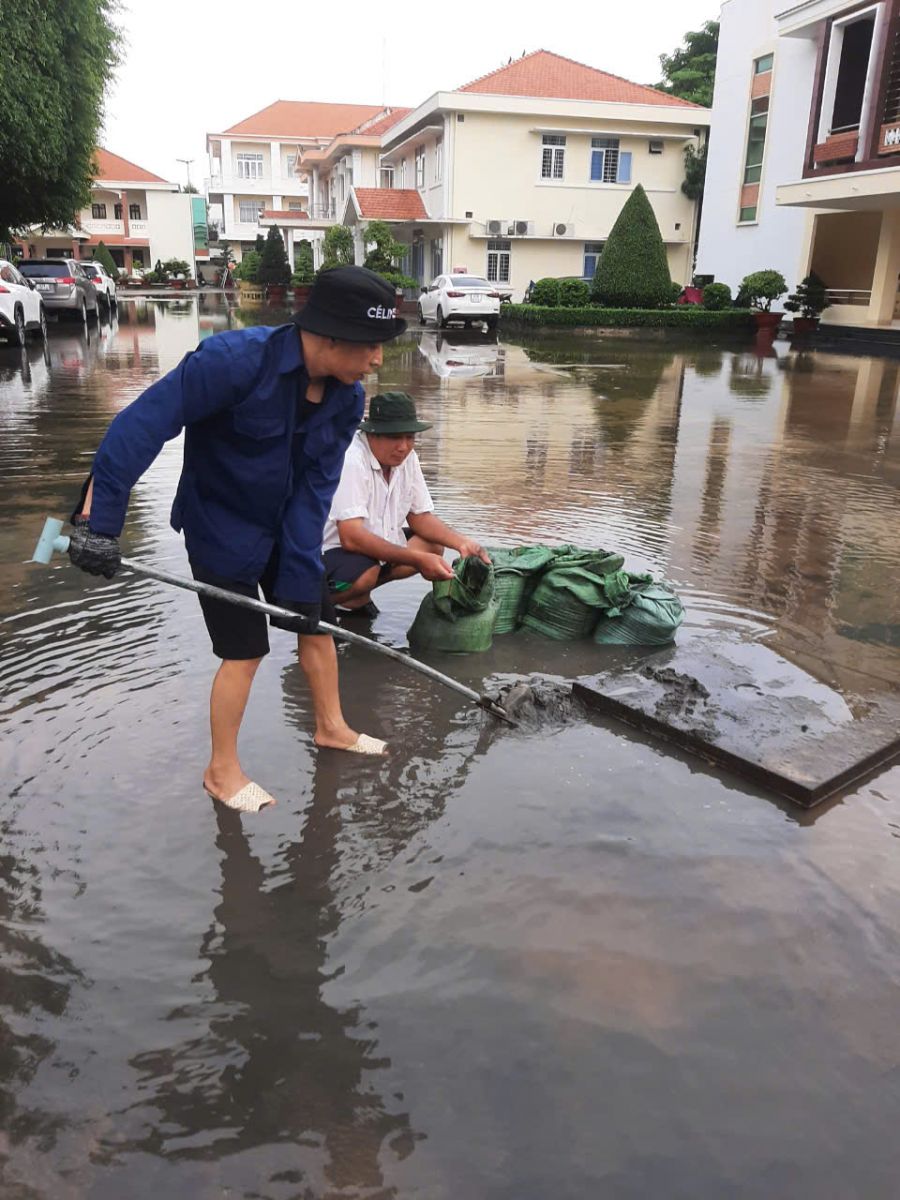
[263, 185]
[139, 228]
[97, 226]
[856, 296]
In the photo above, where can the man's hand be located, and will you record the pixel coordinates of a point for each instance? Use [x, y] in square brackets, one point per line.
[95, 553]
[305, 620]
[469, 548]
[433, 567]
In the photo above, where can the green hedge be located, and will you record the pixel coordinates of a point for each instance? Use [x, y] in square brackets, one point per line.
[685, 316]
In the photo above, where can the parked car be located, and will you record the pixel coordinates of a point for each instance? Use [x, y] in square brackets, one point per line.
[63, 285]
[21, 306]
[465, 298]
[104, 283]
[461, 357]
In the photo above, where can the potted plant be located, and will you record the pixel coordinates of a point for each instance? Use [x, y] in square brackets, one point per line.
[274, 270]
[810, 301]
[177, 270]
[304, 272]
[759, 289]
[247, 274]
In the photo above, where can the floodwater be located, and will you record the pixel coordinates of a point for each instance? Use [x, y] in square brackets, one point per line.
[560, 963]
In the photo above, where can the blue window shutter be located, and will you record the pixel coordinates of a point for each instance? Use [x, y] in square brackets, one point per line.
[596, 164]
[624, 166]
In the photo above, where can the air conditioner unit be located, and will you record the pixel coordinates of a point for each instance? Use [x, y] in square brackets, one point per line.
[495, 227]
[523, 228]
[563, 229]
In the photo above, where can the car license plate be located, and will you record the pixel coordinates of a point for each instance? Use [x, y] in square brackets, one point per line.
[475, 297]
[44, 287]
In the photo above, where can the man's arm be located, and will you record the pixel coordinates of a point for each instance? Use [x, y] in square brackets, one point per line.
[359, 540]
[430, 527]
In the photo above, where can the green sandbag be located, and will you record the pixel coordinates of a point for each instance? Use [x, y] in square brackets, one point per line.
[650, 619]
[568, 600]
[515, 572]
[467, 633]
[470, 590]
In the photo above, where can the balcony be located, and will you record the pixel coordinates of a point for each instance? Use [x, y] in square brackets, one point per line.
[139, 228]
[103, 228]
[264, 185]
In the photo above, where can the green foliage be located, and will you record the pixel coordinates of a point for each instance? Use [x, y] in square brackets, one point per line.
[685, 316]
[386, 252]
[59, 57]
[401, 282]
[633, 271]
[337, 247]
[760, 288]
[176, 266]
[717, 296]
[159, 274]
[106, 260]
[546, 292]
[690, 71]
[247, 270]
[675, 293]
[259, 245]
[694, 171]
[574, 293]
[191, 189]
[810, 299]
[274, 268]
[304, 270]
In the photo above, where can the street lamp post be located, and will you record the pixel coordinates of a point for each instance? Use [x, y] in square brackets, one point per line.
[187, 164]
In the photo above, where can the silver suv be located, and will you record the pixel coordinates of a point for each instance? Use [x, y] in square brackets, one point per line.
[62, 285]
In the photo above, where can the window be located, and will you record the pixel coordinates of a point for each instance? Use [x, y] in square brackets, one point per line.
[853, 42]
[387, 176]
[290, 164]
[249, 166]
[656, 146]
[498, 261]
[134, 212]
[766, 63]
[8, 275]
[117, 212]
[137, 257]
[756, 139]
[249, 211]
[553, 156]
[98, 212]
[609, 164]
[592, 252]
[295, 206]
[402, 172]
[748, 214]
[420, 166]
[439, 160]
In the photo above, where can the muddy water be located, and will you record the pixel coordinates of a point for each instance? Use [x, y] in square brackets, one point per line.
[561, 962]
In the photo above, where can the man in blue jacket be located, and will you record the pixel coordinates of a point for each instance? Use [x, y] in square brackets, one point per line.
[267, 414]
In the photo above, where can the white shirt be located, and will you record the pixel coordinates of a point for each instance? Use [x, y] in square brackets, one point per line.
[364, 492]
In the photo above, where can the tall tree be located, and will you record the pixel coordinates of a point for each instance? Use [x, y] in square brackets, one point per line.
[690, 71]
[59, 57]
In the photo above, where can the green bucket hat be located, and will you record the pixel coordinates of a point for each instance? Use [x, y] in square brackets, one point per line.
[393, 412]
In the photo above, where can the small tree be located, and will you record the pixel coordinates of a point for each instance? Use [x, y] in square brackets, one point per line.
[274, 268]
[386, 251]
[304, 270]
[717, 296]
[810, 299]
[106, 260]
[337, 247]
[760, 288]
[546, 293]
[247, 270]
[633, 271]
[176, 266]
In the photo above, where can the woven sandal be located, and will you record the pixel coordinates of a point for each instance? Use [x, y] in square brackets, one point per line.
[367, 745]
[251, 798]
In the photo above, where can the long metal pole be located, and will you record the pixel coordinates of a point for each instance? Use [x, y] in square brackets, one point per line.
[206, 589]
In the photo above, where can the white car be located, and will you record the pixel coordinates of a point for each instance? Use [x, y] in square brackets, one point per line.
[104, 283]
[463, 357]
[465, 298]
[21, 307]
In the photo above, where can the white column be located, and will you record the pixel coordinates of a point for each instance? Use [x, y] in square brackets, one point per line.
[227, 166]
[275, 153]
[887, 268]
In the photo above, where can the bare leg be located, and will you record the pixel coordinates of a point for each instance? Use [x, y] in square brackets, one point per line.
[360, 591]
[224, 777]
[318, 658]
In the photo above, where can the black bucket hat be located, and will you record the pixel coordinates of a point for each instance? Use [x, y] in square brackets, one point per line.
[352, 304]
[393, 412]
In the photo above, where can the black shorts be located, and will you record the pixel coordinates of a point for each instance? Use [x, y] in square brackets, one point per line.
[344, 567]
[240, 633]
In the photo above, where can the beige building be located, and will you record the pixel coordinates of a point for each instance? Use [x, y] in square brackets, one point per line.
[516, 176]
[139, 217]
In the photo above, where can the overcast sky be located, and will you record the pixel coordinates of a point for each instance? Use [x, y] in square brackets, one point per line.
[192, 68]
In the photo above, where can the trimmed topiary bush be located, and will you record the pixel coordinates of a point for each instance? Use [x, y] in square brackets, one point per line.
[106, 260]
[633, 271]
[546, 293]
[762, 287]
[274, 268]
[574, 293]
[717, 296]
[305, 268]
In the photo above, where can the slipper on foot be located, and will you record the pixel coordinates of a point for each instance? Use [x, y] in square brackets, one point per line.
[368, 611]
[367, 745]
[251, 798]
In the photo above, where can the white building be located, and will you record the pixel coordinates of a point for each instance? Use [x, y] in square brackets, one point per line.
[140, 218]
[803, 171]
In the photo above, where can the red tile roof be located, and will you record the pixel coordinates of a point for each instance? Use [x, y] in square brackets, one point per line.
[386, 119]
[112, 166]
[390, 204]
[542, 73]
[305, 118]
